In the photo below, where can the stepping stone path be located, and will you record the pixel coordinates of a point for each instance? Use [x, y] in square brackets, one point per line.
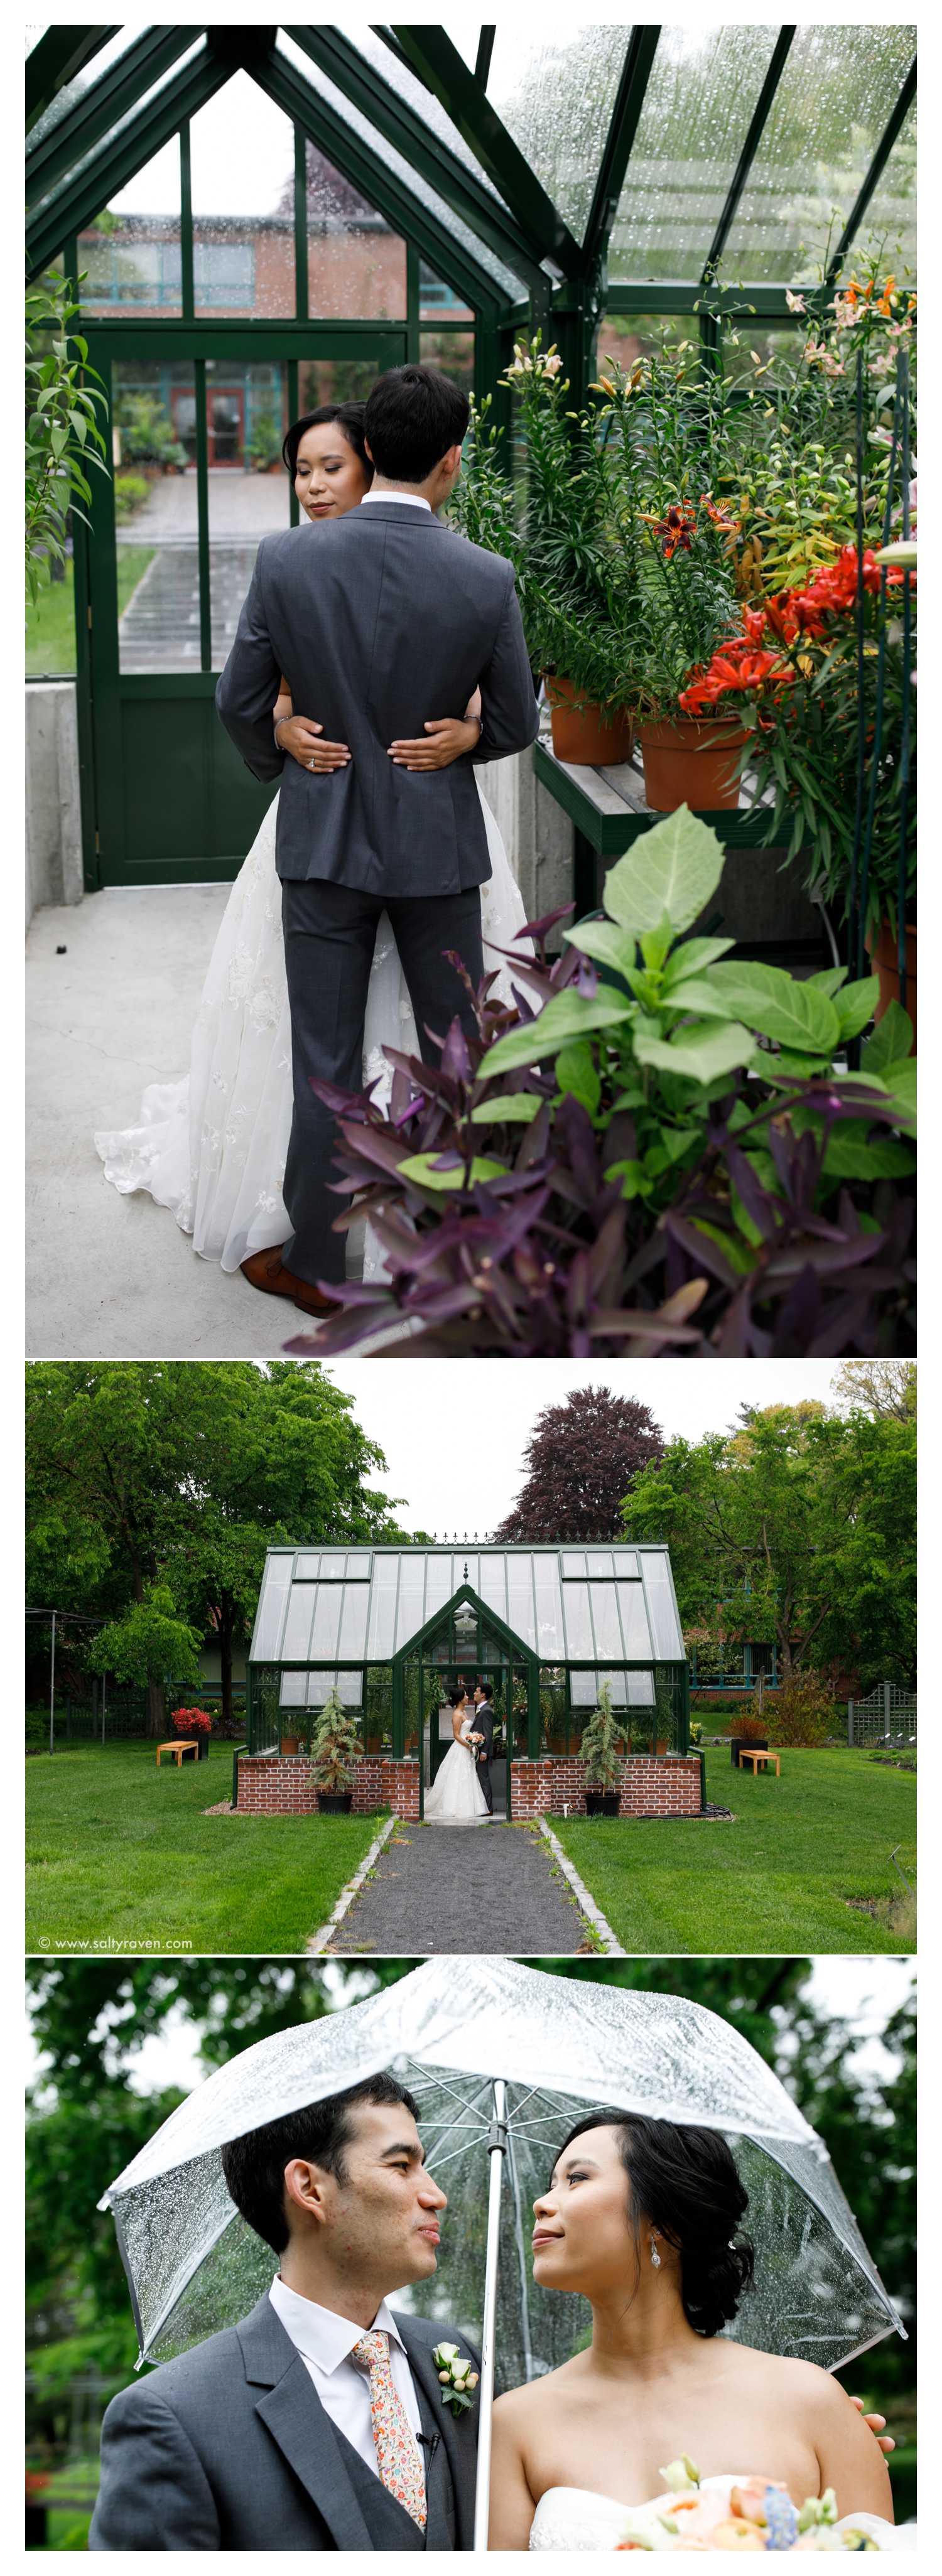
[487, 1888]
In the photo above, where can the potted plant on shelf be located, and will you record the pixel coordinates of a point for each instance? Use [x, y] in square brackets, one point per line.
[335, 1751]
[264, 444]
[747, 1729]
[197, 1724]
[574, 556]
[601, 1751]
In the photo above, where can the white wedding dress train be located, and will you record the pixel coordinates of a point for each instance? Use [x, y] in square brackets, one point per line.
[212, 1146]
[456, 1796]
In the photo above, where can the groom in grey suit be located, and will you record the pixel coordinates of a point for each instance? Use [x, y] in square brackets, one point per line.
[319, 2422]
[386, 621]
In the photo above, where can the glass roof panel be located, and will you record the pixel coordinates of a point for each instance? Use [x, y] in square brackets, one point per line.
[84, 80]
[832, 105]
[889, 225]
[413, 92]
[132, 199]
[555, 94]
[504, 280]
[328, 1617]
[704, 83]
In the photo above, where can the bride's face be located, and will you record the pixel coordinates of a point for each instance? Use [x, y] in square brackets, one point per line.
[328, 477]
[582, 2237]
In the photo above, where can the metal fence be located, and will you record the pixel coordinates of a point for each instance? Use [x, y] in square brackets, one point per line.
[886, 1716]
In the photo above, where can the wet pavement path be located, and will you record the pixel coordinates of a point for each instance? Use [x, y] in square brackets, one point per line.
[492, 1889]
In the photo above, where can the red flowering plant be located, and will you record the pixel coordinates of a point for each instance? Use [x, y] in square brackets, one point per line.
[793, 676]
[192, 1721]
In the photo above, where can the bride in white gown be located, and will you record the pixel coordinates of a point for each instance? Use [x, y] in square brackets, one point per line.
[211, 1146]
[643, 2218]
[456, 1796]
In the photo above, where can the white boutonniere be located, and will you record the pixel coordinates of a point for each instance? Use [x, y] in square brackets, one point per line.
[458, 2380]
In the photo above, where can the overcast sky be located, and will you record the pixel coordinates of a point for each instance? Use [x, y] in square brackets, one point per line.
[454, 1431]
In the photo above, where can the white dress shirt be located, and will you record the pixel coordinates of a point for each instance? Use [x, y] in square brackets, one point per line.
[325, 2343]
[413, 500]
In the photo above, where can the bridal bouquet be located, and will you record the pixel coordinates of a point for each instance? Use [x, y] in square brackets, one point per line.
[752, 2513]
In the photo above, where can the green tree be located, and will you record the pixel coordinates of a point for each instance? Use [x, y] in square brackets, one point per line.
[796, 1525]
[182, 1473]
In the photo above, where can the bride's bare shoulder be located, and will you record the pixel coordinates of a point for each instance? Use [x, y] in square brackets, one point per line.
[519, 2406]
[796, 2386]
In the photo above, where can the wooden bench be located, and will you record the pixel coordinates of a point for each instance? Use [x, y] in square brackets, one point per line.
[179, 1745]
[749, 1753]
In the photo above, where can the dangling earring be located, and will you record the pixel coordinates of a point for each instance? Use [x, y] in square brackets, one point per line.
[655, 2257]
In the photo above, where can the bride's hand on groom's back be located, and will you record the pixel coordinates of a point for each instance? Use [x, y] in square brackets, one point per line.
[444, 739]
[305, 741]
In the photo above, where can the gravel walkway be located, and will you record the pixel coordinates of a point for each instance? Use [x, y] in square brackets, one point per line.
[488, 1888]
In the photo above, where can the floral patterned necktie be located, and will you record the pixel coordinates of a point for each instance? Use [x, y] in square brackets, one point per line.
[397, 2452]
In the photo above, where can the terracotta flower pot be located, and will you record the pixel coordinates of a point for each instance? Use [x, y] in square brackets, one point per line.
[291, 1744]
[691, 762]
[883, 957]
[596, 737]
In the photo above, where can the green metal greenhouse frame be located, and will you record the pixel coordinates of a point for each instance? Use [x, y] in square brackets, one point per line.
[551, 1591]
[466, 201]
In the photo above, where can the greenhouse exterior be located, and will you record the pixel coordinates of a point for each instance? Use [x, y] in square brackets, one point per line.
[388, 193]
[394, 1629]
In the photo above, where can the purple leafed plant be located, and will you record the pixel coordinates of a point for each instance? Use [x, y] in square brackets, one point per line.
[631, 1190]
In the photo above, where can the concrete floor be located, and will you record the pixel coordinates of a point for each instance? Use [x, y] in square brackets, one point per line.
[112, 1277]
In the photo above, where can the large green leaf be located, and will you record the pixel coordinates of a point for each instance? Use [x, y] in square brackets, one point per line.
[421, 1169]
[700, 1053]
[852, 1155]
[672, 870]
[604, 941]
[691, 957]
[568, 1015]
[855, 1004]
[517, 1108]
[900, 1080]
[891, 1039]
[793, 1014]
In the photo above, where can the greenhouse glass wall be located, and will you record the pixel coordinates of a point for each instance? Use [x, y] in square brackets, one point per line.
[258, 219]
[395, 1630]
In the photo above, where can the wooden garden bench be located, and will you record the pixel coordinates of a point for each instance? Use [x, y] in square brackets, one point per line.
[178, 1746]
[749, 1753]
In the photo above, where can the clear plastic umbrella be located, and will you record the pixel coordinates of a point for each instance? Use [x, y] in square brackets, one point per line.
[503, 2060]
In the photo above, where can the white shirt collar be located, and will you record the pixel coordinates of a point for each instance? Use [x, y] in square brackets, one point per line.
[413, 500]
[318, 2333]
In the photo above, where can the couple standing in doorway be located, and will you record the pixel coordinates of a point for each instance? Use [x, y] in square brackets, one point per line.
[374, 671]
[462, 1792]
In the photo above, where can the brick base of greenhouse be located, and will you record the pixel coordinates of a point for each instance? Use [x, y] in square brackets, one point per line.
[282, 1785]
[666, 1784]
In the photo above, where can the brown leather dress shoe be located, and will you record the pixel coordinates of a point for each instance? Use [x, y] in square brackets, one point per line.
[266, 1270]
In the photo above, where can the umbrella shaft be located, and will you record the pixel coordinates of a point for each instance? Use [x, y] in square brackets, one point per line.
[498, 2151]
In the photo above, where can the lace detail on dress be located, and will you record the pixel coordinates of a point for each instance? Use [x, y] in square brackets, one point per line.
[212, 1147]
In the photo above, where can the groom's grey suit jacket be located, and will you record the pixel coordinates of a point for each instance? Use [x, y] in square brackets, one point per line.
[229, 2447]
[379, 620]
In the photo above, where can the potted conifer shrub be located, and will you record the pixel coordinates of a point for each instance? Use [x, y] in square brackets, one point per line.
[335, 1749]
[602, 1755]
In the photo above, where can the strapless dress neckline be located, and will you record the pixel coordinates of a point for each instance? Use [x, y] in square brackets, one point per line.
[579, 2518]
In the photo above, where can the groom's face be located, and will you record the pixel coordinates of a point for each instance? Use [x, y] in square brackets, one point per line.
[382, 2219]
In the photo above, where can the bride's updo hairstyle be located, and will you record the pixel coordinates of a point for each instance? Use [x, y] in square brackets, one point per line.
[684, 2182]
[349, 419]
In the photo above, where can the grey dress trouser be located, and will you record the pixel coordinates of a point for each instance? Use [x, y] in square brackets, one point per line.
[329, 934]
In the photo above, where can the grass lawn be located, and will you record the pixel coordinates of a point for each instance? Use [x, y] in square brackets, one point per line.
[778, 1879]
[120, 1852]
[50, 626]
